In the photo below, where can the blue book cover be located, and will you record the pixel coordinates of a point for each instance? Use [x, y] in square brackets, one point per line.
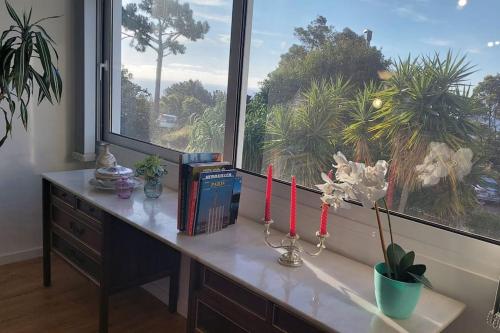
[235, 200]
[185, 159]
[214, 201]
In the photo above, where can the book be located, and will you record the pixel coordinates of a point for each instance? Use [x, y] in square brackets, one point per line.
[192, 207]
[214, 201]
[192, 175]
[235, 200]
[184, 159]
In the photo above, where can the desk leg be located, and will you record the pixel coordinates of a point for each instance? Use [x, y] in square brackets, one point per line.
[105, 277]
[46, 232]
[173, 293]
[103, 310]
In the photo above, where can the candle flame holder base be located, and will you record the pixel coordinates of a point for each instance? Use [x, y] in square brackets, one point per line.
[292, 256]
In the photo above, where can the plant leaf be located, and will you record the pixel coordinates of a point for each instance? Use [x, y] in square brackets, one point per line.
[406, 262]
[46, 18]
[55, 83]
[394, 255]
[13, 14]
[422, 279]
[24, 115]
[20, 68]
[7, 127]
[44, 53]
[44, 32]
[418, 269]
[44, 88]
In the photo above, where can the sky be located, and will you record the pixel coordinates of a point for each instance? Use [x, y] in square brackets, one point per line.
[400, 27]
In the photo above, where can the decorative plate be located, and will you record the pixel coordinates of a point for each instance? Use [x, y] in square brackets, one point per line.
[113, 173]
[109, 185]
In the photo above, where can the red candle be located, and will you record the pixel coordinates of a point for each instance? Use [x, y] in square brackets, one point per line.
[293, 206]
[269, 187]
[324, 219]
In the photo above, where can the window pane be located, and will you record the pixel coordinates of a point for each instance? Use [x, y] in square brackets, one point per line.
[415, 83]
[171, 67]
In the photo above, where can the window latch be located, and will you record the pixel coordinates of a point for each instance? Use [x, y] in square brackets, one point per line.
[102, 67]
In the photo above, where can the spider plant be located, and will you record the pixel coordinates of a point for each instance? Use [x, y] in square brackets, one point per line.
[26, 41]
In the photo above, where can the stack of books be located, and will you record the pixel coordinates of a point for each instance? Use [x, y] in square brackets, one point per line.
[209, 193]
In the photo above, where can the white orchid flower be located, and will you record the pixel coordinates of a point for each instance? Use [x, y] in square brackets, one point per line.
[334, 193]
[328, 186]
[355, 181]
[442, 161]
[347, 171]
[372, 186]
[335, 200]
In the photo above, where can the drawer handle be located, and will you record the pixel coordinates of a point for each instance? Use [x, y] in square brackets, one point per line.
[75, 230]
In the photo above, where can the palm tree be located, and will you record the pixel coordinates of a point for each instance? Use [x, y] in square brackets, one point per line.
[207, 134]
[360, 114]
[301, 137]
[425, 100]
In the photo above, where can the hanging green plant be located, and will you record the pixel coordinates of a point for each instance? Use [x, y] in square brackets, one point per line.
[26, 41]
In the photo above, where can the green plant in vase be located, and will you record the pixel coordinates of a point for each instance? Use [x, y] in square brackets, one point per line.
[25, 42]
[398, 281]
[151, 170]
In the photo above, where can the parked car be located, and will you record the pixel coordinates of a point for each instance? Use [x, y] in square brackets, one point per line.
[167, 121]
[488, 192]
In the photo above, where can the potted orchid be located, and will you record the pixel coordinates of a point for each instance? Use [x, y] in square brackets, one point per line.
[398, 281]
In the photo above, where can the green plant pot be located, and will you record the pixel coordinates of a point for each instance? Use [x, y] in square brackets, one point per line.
[395, 299]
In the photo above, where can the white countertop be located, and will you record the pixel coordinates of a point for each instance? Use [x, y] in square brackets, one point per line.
[331, 290]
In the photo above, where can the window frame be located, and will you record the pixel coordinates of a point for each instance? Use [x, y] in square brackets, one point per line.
[105, 66]
[235, 113]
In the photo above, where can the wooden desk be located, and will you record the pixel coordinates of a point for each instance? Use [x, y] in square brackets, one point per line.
[110, 253]
[236, 284]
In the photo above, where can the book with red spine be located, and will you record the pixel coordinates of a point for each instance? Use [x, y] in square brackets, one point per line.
[192, 206]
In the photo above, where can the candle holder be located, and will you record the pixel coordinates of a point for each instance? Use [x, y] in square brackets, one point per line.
[292, 255]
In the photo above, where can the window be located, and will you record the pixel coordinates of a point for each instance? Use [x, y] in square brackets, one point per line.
[169, 72]
[415, 83]
[388, 80]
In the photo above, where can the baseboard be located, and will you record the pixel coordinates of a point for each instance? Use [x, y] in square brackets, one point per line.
[12, 257]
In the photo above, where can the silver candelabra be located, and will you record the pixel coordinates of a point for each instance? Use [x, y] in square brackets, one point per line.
[292, 255]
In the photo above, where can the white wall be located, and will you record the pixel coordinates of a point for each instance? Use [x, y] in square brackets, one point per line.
[46, 147]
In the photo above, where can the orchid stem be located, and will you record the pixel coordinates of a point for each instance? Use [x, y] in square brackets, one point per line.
[388, 220]
[382, 242]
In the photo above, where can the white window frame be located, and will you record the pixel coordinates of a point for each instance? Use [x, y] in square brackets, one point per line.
[109, 63]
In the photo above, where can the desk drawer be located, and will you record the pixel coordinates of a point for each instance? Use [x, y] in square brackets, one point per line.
[89, 210]
[76, 257]
[235, 292]
[86, 232]
[287, 322]
[63, 195]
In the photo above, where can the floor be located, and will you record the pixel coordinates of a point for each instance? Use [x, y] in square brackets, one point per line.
[71, 304]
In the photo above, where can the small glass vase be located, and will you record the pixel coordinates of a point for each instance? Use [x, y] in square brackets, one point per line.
[153, 188]
[124, 187]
